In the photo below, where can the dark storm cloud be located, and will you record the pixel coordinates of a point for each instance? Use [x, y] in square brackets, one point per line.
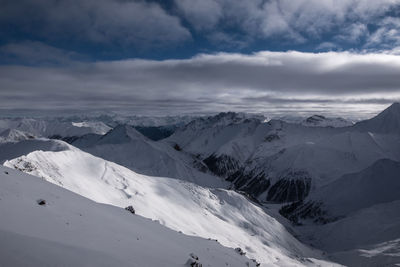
[299, 21]
[107, 22]
[260, 82]
[222, 24]
[37, 53]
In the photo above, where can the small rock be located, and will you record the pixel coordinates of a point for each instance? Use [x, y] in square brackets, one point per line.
[240, 251]
[194, 256]
[193, 263]
[41, 202]
[130, 209]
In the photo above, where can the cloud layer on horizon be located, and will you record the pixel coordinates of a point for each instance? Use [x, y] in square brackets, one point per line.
[190, 56]
[269, 82]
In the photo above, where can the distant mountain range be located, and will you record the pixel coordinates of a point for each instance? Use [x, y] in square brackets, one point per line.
[246, 180]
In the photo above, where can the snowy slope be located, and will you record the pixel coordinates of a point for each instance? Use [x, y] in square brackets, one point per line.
[71, 230]
[210, 213]
[379, 183]
[127, 147]
[367, 237]
[356, 218]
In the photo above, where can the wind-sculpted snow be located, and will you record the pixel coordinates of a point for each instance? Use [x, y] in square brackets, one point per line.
[211, 213]
[70, 230]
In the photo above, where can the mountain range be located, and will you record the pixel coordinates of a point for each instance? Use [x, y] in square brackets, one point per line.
[286, 193]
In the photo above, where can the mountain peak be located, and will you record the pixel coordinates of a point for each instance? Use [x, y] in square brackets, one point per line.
[388, 121]
[121, 134]
[322, 121]
[224, 119]
[392, 111]
[394, 108]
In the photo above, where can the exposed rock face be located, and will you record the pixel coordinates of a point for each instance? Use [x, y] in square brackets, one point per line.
[222, 165]
[312, 210]
[291, 186]
[294, 186]
[251, 183]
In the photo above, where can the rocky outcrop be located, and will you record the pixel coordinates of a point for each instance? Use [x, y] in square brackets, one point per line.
[222, 165]
[293, 186]
[252, 184]
[310, 210]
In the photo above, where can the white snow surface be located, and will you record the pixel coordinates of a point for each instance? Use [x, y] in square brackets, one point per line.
[210, 213]
[70, 230]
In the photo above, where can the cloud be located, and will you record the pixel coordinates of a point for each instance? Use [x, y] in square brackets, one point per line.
[261, 82]
[203, 15]
[299, 21]
[327, 46]
[387, 35]
[353, 33]
[137, 25]
[125, 23]
[37, 53]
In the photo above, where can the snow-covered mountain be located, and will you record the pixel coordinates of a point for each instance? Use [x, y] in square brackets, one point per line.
[333, 185]
[116, 118]
[322, 121]
[13, 136]
[53, 127]
[69, 230]
[210, 213]
[127, 147]
[386, 122]
[279, 161]
[379, 183]
[226, 134]
[358, 214]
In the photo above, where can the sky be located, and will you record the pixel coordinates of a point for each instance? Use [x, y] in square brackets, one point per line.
[172, 57]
